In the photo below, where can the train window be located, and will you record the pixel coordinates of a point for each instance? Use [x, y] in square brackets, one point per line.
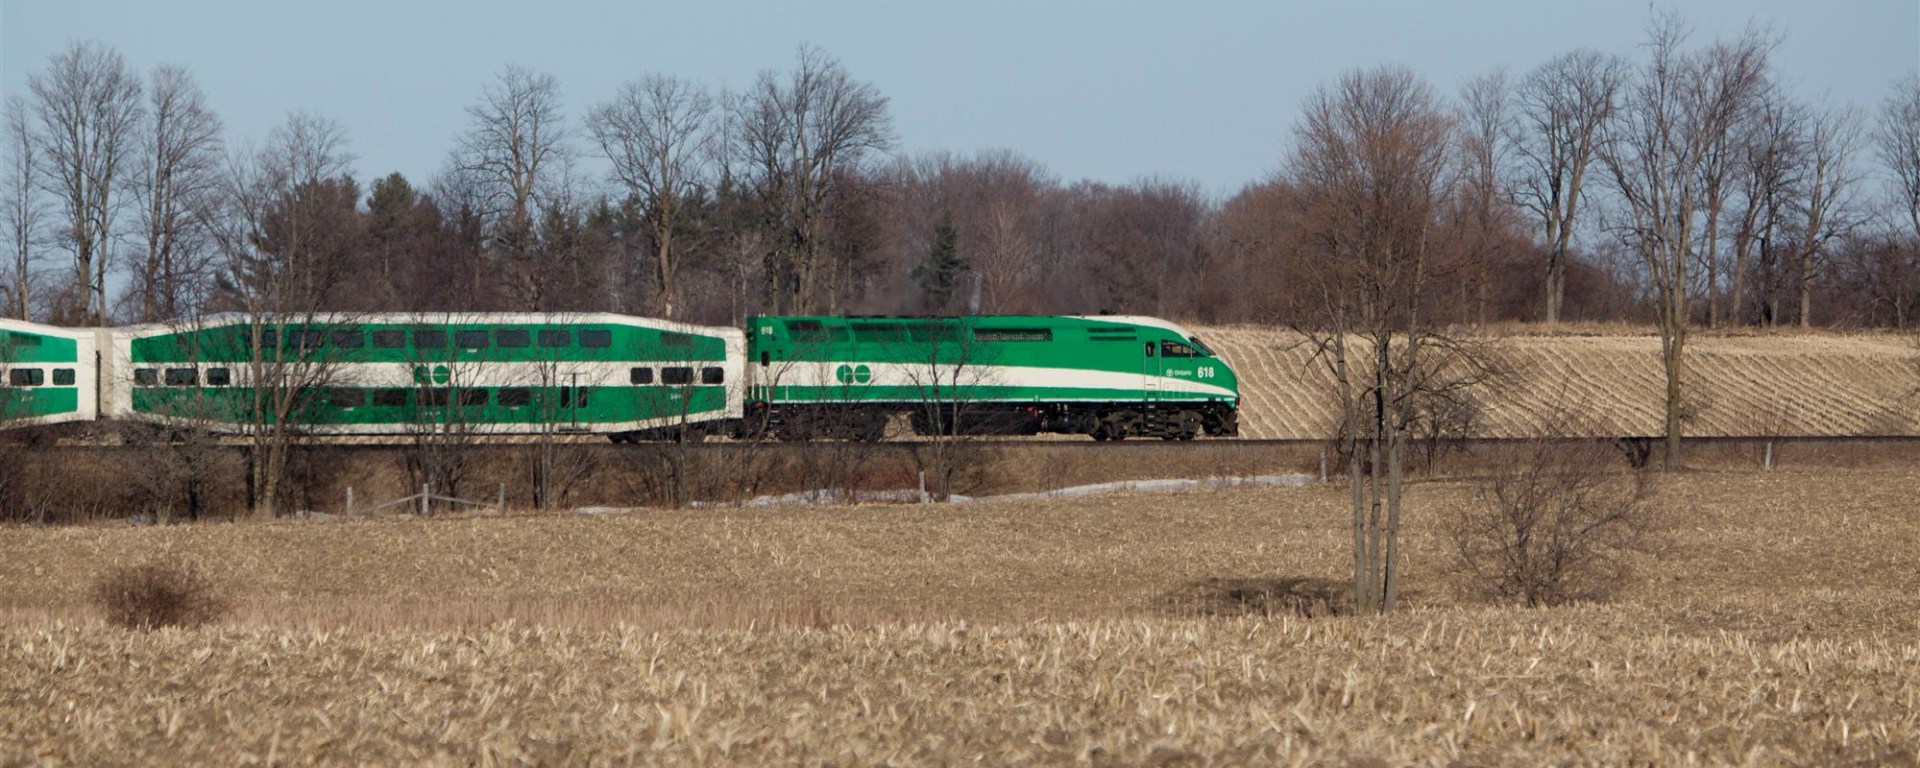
[146, 377]
[1176, 349]
[470, 339]
[880, 333]
[390, 397]
[671, 339]
[182, 377]
[1013, 334]
[514, 397]
[574, 396]
[512, 338]
[1149, 349]
[349, 339]
[63, 377]
[581, 395]
[1205, 350]
[219, 377]
[429, 339]
[346, 397]
[594, 338]
[640, 375]
[554, 337]
[309, 339]
[389, 339]
[473, 397]
[269, 338]
[677, 374]
[713, 375]
[433, 397]
[766, 359]
[26, 377]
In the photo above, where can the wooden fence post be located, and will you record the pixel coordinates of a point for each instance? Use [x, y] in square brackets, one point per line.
[426, 498]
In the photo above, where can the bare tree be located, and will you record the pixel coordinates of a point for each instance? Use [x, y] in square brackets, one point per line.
[1371, 159]
[286, 237]
[177, 182]
[796, 137]
[1678, 107]
[88, 104]
[658, 133]
[1484, 131]
[1897, 136]
[1770, 140]
[1562, 108]
[1826, 201]
[516, 136]
[21, 207]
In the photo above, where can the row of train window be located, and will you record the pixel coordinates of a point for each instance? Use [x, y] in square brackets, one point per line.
[868, 332]
[466, 338]
[37, 377]
[222, 377]
[397, 397]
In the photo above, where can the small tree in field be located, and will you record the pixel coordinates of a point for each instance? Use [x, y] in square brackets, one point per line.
[1556, 520]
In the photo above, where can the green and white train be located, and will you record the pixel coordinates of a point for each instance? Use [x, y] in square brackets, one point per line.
[794, 378]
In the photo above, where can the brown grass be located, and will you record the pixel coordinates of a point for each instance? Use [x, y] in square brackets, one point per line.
[1745, 384]
[1779, 628]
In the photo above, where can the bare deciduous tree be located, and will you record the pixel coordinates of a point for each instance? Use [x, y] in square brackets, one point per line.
[1770, 139]
[1826, 200]
[658, 133]
[1897, 136]
[88, 105]
[1484, 132]
[177, 182]
[1677, 108]
[21, 208]
[1371, 159]
[796, 137]
[515, 137]
[1562, 107]
[287, 241]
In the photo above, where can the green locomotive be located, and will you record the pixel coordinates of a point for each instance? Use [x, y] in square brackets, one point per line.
[1107, 376]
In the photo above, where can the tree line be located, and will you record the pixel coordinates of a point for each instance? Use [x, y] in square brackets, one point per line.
[1692, 187]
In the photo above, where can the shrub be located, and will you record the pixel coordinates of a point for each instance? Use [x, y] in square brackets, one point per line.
[156, 593]
[1554, 522]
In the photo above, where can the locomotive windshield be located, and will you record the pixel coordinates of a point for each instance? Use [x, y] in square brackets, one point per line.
[1202, 346]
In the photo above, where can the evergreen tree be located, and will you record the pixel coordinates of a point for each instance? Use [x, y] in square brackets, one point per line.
[940, 274]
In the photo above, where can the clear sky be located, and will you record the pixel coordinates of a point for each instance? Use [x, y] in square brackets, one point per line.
[1110, 91]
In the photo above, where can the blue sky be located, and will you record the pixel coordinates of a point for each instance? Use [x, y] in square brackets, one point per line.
[1110, 91]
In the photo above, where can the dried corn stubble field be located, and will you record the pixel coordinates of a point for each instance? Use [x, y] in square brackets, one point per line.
[1779, 627]
[1742, 385]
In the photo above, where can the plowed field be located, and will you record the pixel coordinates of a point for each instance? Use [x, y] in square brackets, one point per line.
[1755, 385]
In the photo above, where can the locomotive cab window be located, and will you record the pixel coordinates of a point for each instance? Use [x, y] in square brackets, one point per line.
[595, 338]
[1176, 349]
[63, 377]
[26, 377]
[713, 375]
[182, 377]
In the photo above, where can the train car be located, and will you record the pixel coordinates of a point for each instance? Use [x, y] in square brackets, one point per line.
[377, 374]
[47, 374]
[1110, 377]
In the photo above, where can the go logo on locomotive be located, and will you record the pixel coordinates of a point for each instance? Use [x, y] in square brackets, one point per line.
[853, 374]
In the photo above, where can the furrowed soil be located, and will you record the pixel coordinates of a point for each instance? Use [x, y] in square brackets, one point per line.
[1778, 626]
[1749, 384]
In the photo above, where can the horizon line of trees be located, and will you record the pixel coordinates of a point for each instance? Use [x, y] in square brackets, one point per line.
[123, 201]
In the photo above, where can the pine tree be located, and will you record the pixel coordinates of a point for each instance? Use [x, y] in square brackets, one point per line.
[940, 274]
